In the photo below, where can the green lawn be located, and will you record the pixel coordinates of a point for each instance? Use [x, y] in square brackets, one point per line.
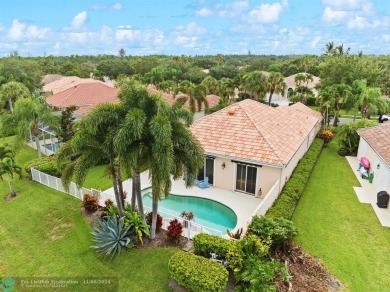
[345, 234]
[43, 234]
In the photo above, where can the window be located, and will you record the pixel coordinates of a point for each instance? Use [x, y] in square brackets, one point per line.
[246, 178]
[207, 170]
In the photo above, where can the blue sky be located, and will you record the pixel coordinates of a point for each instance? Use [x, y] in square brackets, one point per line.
[176, 27]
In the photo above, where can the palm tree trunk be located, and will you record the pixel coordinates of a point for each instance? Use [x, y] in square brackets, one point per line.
[11, 108]
[12, 192]
[137, 181]
[114, 184]
[133, 196]
[270, 97]
[154, 218]
[38, 145]
[120, 186]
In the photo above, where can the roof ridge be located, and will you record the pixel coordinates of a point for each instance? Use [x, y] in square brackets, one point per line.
[261, 133]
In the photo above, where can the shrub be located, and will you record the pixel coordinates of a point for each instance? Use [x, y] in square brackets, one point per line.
[135, 219]
[112, 236]
[286, 203]
[326, 135]
[90, 203]
[278, 230]
[196, 273]
[205, 244]
[159, 221]
[47, 165]
[175, 229]
[108, 203]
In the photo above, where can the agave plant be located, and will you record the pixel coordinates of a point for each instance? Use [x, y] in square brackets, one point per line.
[112, 236]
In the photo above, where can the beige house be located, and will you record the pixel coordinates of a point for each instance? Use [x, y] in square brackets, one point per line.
[375, 146]
[250, 146]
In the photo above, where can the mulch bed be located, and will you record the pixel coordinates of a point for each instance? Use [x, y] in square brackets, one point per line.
[10, 197]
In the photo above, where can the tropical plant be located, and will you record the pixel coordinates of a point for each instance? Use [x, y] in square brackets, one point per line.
[12, 91]
[31, 113]
[256, 83]
[335, 95]
[175, 230]
[8, 166]
[93, 144]
[159, 221]
[211, 85]
[326, 135]
[90, 203]
[226, 87]
[112, 236]
[65, 131]
[275, 84]
[195, 94]
[235, 235]
[371, 101]
[141, 229]
[108, 203]
[155, 136]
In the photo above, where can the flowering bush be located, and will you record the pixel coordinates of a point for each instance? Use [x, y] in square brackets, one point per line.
[175, 230]
[90, 203]
[159, 221]
[326, 135]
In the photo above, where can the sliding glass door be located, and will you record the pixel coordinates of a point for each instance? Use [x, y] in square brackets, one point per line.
[246, 178]
[207, 170]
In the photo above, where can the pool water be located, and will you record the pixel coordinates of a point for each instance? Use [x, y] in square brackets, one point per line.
[207, 212]
[53, 147]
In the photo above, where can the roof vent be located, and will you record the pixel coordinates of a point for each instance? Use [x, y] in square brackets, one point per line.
[232, 111]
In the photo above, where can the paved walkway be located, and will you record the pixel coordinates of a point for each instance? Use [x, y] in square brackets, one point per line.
[243, 205]
[366, 193]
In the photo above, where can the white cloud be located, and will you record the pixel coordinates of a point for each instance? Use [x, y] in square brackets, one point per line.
[203, 12]
[113, 7]
[79, 20]
[127, 33]
[267, 13]
[333, 16]
[386, 37]
[148, 36]
[362, 23]
[20, 31]
[315, 41]
[116, 6]
[346, 5]
[191, 29]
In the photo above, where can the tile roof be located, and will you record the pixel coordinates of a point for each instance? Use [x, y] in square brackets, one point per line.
[379, 139]
[255, 132]
[66, 82]
[211, 98]
[84, 95]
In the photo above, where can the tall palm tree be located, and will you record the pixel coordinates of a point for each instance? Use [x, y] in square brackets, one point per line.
[11, 91]
[211, 84]
[275, 84]
[226, 87]
[155, 136]
[256, 83]
[371, 101]
[30, 113]
[336, 95]
[8, 166]
[93, 144]
[196, 95]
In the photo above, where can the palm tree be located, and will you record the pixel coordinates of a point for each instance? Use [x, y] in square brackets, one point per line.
[256, 82]
[275, 84]
[30, 113]
[211, 84]
[336, 95]
[226, 87]
[195, 94]
[371, 101]
[93, 144]
[11, 91]
[8, 166]
[155, 136]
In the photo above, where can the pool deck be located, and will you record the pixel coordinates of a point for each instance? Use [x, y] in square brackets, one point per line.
[242, 204]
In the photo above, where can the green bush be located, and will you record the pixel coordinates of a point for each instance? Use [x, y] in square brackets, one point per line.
[311, 101]
[278, 230]
[205, 244]
[47, 165]
[288, 199]
[196, 273]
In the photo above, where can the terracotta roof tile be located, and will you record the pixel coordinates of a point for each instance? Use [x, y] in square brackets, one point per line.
[84, 95]
[66, 82]
[379, 139]
[252, 131]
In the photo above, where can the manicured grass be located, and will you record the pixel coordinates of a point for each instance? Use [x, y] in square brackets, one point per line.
[43, 235]
[345, 234]
[98, 178]
[24, 154]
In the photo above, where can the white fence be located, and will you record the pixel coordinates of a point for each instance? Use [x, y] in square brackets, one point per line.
[268, 200]
[56, 183]
[190, 228]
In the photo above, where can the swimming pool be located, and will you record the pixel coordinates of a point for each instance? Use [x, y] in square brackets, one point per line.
[53, 147]
[207, 212]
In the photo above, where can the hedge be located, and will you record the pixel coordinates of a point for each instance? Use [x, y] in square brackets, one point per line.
[292, 191]
[196, 273]
[47, 165]
[205, 244]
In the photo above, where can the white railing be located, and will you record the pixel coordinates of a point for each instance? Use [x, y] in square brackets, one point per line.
[56, 183]
[268, 200]
[190, 228]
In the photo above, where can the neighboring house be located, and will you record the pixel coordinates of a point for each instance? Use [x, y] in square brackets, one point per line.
[84, 96]
[250, 146]
[211, 98]
[290, 84]
[56, 83]
[375, 146]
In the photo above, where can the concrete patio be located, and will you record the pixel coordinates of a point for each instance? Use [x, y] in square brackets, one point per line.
[243, 205]
[366, 193]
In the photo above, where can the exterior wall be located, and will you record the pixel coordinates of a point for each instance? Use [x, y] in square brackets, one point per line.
[266, 178]
[224, 178]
